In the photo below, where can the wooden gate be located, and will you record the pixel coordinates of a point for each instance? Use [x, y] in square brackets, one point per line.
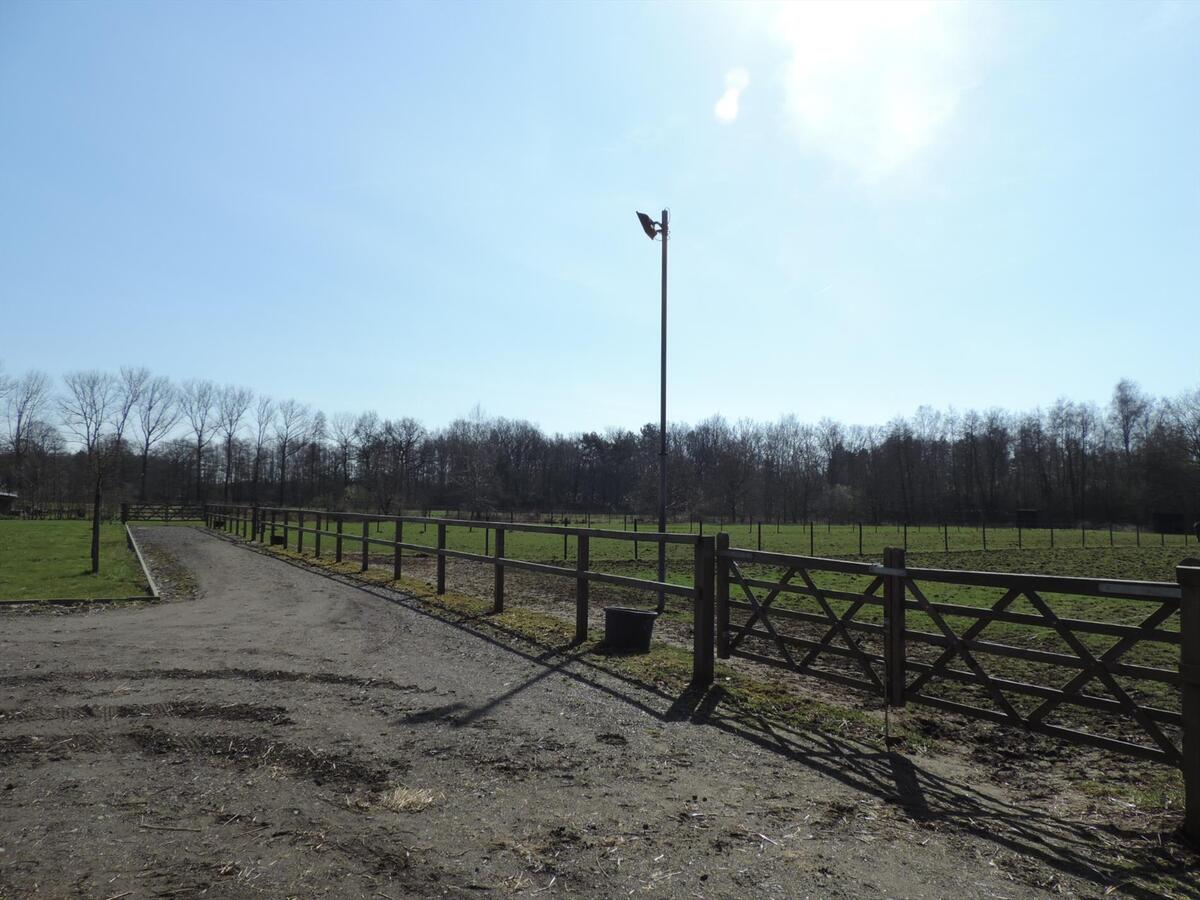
[1093, 661]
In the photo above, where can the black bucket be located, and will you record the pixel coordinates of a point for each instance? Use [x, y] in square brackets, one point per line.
[628, 629]
[277, 540]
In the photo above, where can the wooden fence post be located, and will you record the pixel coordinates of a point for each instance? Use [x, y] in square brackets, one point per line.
[286, 516]
[498, 575]
[300, 532]
[273, 516]
[1188, 576]
[702, 612]
[317, 536]
[337, 557]
[722, 566]
[366, 547]
[581, 589]
[397, 551]
[893, 626]
[254, 529]
[441, 558]
[124, 512]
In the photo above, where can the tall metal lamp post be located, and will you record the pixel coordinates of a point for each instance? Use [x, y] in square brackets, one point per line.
[661, 229]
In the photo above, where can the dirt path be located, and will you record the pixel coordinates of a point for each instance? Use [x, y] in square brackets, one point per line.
[249, 743]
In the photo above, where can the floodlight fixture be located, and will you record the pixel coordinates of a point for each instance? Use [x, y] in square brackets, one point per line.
[648, 225]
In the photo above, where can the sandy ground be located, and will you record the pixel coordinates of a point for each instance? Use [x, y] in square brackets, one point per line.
[282, 733]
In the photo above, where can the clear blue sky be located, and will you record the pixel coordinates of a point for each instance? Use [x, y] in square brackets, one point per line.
[875, 207]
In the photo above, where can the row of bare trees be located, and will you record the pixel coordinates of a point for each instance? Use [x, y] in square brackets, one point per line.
[133, 435]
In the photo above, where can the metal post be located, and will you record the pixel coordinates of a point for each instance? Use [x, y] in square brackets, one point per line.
[702, 612]
[581, 589]
[893, 628]
[397, 551]
[662, 428]
[441, 558]
[498, 588]
[722, 599]
[1188, 576]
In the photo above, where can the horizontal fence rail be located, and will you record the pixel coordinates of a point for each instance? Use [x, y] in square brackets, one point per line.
[282, 525]
[885, 629]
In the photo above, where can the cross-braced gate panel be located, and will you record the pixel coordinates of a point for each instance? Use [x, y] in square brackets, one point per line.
[1095, 662]
[818, 617]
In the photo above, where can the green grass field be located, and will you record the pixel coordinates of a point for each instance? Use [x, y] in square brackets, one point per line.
[51, 560]
[1117, 554]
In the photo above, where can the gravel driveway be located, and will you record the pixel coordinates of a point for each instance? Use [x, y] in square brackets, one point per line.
[287, 734]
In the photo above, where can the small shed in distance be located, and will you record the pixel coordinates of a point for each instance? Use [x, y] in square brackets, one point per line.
[1169, 523]
[1028, 518]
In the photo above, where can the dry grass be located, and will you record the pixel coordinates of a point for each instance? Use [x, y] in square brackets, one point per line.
[406, 799]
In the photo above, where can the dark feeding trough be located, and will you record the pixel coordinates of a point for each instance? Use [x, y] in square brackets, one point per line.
[277, 540]
[628, 629]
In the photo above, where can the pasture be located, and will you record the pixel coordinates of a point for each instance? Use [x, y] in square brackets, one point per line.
[1092, 553]
[50, 560]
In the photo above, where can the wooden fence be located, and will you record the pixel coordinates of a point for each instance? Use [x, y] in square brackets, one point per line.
[161, 512]
[856, 624]
[289, 527]
[904, 634]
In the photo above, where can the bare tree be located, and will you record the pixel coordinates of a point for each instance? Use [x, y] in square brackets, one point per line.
[197, 400]
[232, 403]
[343, 436]
[157, 412]
[1185, 410]
[1128, 411]
[27, 397]
[95, 409]
[290, 426]
[264, 422]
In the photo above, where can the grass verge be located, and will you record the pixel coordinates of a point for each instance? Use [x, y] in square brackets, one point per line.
[52, 560]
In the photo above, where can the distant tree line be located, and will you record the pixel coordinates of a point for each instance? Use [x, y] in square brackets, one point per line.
[131, 435]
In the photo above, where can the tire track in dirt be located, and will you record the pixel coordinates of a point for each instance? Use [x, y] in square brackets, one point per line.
[243, 752]
[230, 712]
[188, 674]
